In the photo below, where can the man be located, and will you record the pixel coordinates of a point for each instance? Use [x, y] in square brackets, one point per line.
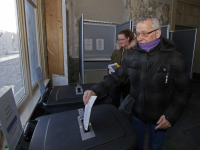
[162, 101]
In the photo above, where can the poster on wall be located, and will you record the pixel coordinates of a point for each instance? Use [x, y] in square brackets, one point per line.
[100, 44]
[88, 44]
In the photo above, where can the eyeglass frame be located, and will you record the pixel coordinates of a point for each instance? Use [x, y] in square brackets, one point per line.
[121, 40]
[142, 34]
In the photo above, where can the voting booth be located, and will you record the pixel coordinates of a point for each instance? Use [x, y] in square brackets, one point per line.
[97, 43]
[185, 41]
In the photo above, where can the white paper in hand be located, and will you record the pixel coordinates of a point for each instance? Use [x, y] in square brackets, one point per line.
[87, 112]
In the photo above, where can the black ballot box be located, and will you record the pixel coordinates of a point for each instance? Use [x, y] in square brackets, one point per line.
[108, 130]
[26, 136]
[64, 98]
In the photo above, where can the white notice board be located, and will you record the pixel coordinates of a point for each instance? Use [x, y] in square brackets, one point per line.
[10, 120]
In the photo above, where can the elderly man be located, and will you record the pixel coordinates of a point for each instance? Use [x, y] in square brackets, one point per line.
[163, 99]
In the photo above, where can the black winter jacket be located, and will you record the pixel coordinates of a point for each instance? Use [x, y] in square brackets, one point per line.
[158, 98]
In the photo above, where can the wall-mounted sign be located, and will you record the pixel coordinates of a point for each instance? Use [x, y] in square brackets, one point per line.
[100, 44]
[88, 44]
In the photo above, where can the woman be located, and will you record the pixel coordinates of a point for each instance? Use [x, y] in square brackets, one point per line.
[125, 43]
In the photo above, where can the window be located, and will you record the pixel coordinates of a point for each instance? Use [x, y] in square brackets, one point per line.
[22, 46]
[32, 39]
[11, 73]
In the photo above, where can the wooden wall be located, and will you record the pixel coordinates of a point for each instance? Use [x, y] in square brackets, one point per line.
[53, 12]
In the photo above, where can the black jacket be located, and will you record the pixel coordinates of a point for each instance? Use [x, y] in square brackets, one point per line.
[158, 98]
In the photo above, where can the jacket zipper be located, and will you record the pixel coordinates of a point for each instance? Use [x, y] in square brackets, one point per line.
[147, 69]
[122, 54]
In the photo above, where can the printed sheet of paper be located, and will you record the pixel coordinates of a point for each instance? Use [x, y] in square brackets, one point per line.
[87, 112]
[100, 44]
[88, 44]
[10, 120]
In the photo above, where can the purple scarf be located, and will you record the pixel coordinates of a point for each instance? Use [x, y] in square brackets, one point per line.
[149, 45]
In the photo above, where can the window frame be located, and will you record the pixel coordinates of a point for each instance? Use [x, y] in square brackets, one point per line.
[41, 45]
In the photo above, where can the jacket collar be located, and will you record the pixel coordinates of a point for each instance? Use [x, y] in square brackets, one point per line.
[165, 45]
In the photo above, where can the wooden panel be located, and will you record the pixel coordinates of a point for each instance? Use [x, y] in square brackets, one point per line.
[191, 2]
[191, 10]
[53, 12]
[185, 9]
[196, 11]
[179, 12]
[196, 20]
[187, 15]
[190, 20]
[185, 18]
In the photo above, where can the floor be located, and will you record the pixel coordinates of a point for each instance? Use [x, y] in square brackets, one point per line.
[185, 134]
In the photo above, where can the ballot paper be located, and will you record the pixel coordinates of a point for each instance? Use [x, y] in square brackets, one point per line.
[87, 112]
[113, 67]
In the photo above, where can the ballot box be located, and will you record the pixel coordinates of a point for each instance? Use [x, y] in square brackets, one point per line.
[26, 136]
[108, 129]
[64, 98]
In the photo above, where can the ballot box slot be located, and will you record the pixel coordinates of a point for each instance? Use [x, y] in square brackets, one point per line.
[79, 89]
[85, 131]
[84, 134]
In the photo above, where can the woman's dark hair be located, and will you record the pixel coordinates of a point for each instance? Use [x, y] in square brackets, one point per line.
[128, 33]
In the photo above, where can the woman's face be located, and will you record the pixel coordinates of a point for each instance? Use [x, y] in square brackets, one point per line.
[122, 40]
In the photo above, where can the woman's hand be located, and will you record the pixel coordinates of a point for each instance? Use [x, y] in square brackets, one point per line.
[110, 72]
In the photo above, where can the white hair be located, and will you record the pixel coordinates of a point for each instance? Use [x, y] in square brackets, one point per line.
[155, 24]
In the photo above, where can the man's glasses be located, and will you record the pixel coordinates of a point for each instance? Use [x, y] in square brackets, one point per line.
[145, 34]
[121, 40]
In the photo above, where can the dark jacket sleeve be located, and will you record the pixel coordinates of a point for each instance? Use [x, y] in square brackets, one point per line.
[183, 91]
[119, 76]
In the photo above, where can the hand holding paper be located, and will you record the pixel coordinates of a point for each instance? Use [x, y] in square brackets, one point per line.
[87, 112]
[113, 67]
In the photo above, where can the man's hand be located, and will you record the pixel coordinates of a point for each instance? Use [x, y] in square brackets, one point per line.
[163, 123]
[87, 95]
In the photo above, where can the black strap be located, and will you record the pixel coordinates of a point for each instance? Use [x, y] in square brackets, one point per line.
[152, 71]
